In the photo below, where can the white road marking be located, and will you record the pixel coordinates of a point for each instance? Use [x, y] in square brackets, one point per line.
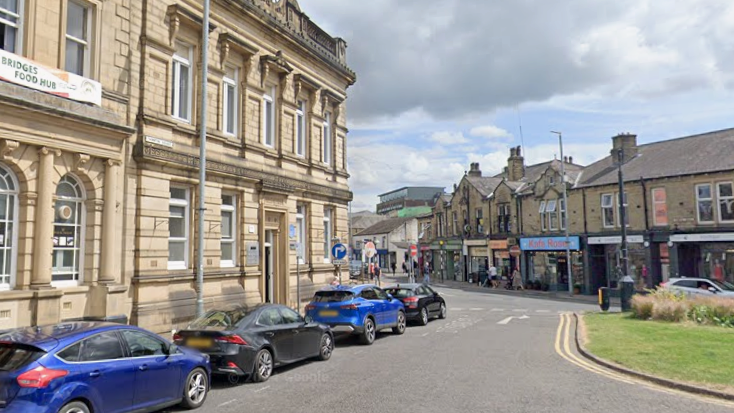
[458, 309]
[542, 311]
[497, 310]
[508, 319]
[476, 309]
[520, 310]
[264, 388]
[226, 403]
[425, 334]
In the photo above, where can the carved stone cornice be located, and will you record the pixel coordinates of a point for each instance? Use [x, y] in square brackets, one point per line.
[177, 15]
[275, 63]
[266, 180]
[228, 42]
[7, 147]
[80, 162]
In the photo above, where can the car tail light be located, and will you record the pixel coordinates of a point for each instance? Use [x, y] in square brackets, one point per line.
[310, 307]
[232, 340]
[40, 377]
[411, 302]
[349, 307]
[231, 365]
[177, 337]
[664, 284]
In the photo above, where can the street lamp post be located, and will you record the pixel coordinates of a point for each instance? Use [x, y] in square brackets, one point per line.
[622, 212]
[564, 216]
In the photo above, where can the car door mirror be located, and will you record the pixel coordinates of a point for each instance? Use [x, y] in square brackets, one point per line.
[172, 349]
[308, 319]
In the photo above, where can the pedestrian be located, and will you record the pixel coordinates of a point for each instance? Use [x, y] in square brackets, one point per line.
[405, 269]
[517, 280]
[393, 266]
[377, 274]
[493, 276]
[427, 275]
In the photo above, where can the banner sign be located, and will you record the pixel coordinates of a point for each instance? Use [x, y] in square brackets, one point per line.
[549, 243]
[24, 72]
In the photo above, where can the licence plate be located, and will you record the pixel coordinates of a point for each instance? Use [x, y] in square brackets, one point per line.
[199, 342]
[329, 313]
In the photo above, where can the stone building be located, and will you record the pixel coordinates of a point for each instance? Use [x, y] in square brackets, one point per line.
[392, 238]
[66, 134]
[99, 146]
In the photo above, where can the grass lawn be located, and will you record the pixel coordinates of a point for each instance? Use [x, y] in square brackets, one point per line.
[683, 352]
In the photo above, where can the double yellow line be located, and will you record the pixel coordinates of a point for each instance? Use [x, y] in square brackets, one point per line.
[566, 333]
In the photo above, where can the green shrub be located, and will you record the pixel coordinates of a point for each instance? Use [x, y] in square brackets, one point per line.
[712, 311]
[642, 306]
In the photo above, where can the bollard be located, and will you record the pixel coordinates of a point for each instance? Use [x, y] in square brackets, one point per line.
[626, 290]
[604, 299]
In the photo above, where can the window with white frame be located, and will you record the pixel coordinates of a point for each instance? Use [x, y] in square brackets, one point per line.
[68, 239]
[182, 82]
[78, 37]
[705, 203]
[541, 211]
[552, 215]
[301, 128]
[659, 207]
[229, 231]
[327, 145]
[607, 210]
[480, 220]
[11, 25]
[725, 193]
[456, 223]
[178, 227]
[230, 104]
[269, 117]
[626, 210]
[301, 232]
[8, 225]
[562, 209]
[327, 234]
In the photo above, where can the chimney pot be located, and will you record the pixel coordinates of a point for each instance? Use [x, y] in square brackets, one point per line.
[570, 159]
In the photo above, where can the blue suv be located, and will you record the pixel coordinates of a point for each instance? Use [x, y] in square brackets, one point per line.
[362, 310]
[87, 367]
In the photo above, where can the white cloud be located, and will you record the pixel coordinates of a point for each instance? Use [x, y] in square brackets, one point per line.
[448, 138]
[490, 132]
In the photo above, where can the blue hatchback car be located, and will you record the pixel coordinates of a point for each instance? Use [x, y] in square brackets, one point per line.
[362, 310]
[84, 367]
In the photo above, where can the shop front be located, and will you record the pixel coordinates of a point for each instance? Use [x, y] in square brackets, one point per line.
[605, 261]
[446, 256]
[425, 256]
[703, 255]
[501, 258]
[546, 261]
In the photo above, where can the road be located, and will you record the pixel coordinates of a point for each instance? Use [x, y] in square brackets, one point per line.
[477, 360]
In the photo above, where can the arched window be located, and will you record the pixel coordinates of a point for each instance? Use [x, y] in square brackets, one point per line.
[68, 231]
[8, 225]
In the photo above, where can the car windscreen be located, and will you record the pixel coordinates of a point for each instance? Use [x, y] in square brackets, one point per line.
[332, 296]
[14, 356]
[724, 285]
[221, 318]
[400, 292]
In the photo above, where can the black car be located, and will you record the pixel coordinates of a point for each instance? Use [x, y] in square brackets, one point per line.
[251, 341]
[420, 300]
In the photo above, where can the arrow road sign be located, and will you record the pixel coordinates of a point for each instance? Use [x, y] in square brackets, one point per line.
[508, 319]
[339, 251]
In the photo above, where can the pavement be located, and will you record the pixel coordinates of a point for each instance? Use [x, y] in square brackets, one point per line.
[494, 352]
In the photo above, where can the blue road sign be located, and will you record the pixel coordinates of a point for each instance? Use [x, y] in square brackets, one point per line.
[339, 251]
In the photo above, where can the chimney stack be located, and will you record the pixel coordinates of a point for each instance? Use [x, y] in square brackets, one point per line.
[515, 165]
[627, 142]
[474, 169]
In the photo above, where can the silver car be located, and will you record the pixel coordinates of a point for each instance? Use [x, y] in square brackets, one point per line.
[693, 287]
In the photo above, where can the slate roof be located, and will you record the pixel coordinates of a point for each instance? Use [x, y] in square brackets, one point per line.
[484, 184]
[385, 227]
[366, 219]
[696, 154]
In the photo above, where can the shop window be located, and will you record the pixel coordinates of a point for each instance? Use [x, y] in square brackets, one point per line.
[178, 227]
[328, 231]
[660, 207]
[552, 215]
[68, 237]
[230, 103]
[301, 128]
[725, 193]
[229, 231]
[182, 82]
[301, 232]
[327, 138]
[607, 210]
[78, 29]
[8, 226]
[269, 118]
[11, 25]
[705, 203]
[542, 216]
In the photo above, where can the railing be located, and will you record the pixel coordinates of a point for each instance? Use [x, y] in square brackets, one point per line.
[297, 20]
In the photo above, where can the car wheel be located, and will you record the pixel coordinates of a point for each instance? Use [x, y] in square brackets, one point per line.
[326, 348]
[263, 366]
[442, 313]
[368, 335]
[196, 389]
[423, 320]
[400, 328]
[75, 407]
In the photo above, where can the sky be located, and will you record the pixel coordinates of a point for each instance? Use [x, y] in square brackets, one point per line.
[443, 83]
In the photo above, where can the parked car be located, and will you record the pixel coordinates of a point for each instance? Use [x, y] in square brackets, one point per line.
[355, 269]
[84, 367]
[251, 341]
[700, 287]
[361, 310]
[421, 302]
